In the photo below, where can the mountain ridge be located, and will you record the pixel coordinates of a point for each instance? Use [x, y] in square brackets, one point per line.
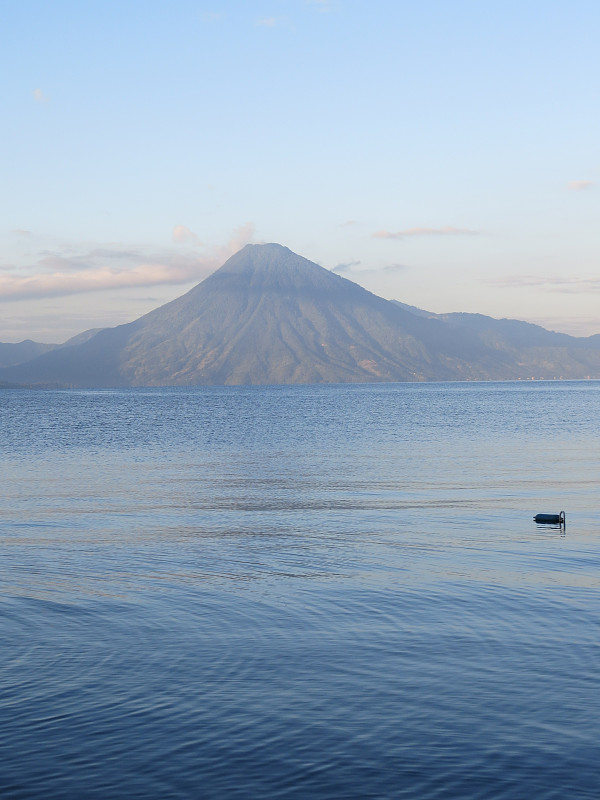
[270, 316]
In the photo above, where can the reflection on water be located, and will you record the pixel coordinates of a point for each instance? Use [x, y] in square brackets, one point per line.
[331, 591]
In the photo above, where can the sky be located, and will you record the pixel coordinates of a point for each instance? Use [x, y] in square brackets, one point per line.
[442, 153]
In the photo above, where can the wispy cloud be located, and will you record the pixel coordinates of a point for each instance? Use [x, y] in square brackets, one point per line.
[349, 268]
[350, 223]
[183, 235]
[39, 96]
[66, 271]
[575, 326]
[553, 283]
[74, 260]
[69, 280]
[346, 267]
[241, 237]
[579, 186]
[394, 268]
[445, 231]
[268, 22]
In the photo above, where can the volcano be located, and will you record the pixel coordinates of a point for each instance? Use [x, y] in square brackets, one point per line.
[269, 316]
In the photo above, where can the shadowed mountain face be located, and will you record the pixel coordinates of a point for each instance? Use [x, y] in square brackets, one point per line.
[19, 352]
[536, 352]
[269, 316]
[12, 354]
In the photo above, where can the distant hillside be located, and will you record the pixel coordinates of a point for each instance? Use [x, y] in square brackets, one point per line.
[532, 345]
[269, 316]
[19, 352]
[80, 338]
[520, 334]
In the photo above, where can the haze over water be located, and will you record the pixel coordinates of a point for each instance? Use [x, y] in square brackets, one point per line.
[324, 591]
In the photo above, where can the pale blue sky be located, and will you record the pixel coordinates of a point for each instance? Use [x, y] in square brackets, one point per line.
[445, 154]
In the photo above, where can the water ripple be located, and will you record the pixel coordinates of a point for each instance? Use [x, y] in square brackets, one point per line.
[284, 593]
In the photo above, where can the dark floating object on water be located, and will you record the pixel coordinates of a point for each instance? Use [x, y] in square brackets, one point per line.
[551, 519]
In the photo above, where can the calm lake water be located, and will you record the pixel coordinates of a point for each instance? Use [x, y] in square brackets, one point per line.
[294, 592]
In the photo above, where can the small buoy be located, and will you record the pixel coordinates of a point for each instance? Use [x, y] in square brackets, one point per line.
[550, 519]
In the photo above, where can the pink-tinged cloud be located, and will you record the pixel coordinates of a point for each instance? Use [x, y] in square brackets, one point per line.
[240, 238]
[39, 96]
[579, 186]
[58, 274]
[445, 231]
[183, 235]
[60, 284]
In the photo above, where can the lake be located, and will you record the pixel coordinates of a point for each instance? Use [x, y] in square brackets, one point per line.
[293, 592]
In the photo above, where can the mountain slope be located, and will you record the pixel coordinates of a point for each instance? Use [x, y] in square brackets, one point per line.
[270, 316]
[12, 354]
[513, 331]
[532, 347]
[20, 352]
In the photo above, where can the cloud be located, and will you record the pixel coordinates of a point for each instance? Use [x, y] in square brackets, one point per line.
[39, 96]
[77, 262]
[579, 186]
[554, 283]
[59, 283]
[445, 231]
[68, 270]
[347, 267]
[183, 235]
[575, 326]
[350, 223]
[241, 237]
[394, 268]
[268, 22]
